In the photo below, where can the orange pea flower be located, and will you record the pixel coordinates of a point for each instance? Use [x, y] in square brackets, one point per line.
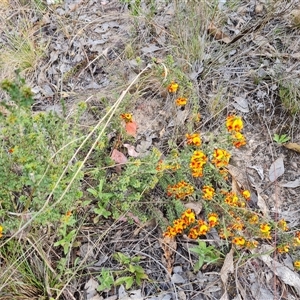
[193, 139]
[282, 225]
[127, 117]
[208, 192]
[181, 101]
[246, 194]
[239, 241]
[213, 219]
[234, 123]
[238, 140]
[173, 87]
[297, 265]
[221, 158]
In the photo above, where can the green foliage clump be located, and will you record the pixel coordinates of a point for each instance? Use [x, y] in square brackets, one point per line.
[35, 150]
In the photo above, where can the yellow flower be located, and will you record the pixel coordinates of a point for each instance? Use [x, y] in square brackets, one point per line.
[208, 192]
[282, 225]
[180, 190]
[283, 248]
[179, 226]
[239, 241]
[1, 231]
[231, 199]
[193, 234]
[170, 232]
[213, 219]
[127, 117]
[251, 244]
[193, 139]
[221, 158]
[253, 219]
[181, 101]
[238, 140]
[198, 160]
[246, 194]
[173, 87]
[297, 265]
[234, 123]
[188, 217]
[265, 230]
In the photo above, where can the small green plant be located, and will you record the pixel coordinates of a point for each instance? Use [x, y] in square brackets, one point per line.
[103, 201]
[281, 139]
[131, 273]
[207, 254]
[135, 272]
[106, 280]
[66, 236]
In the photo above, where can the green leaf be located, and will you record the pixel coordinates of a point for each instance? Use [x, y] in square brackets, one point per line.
[101, 211]
[128, 280]
[106, 280]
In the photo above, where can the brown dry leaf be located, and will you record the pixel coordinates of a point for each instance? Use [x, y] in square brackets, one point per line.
[239, 175]
[218, 34]
[293, 146]
[169, 246]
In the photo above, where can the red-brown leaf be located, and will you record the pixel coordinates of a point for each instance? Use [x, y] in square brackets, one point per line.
[131, 128]
[118, 157]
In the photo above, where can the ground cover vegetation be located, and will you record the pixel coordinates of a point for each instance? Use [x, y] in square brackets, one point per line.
[74, 180]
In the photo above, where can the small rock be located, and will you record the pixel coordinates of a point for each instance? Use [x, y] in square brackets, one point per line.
[176, 278]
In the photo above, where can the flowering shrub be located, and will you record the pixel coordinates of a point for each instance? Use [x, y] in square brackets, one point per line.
[240, 225]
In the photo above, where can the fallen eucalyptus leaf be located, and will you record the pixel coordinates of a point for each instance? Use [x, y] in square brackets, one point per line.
[285, 274]
[241, 104]
[291, 184]
[276, 169]
[227, 267]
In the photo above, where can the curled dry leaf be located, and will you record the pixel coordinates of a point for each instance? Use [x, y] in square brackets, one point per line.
[131, 150]
[293, 146]
[218, 34]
